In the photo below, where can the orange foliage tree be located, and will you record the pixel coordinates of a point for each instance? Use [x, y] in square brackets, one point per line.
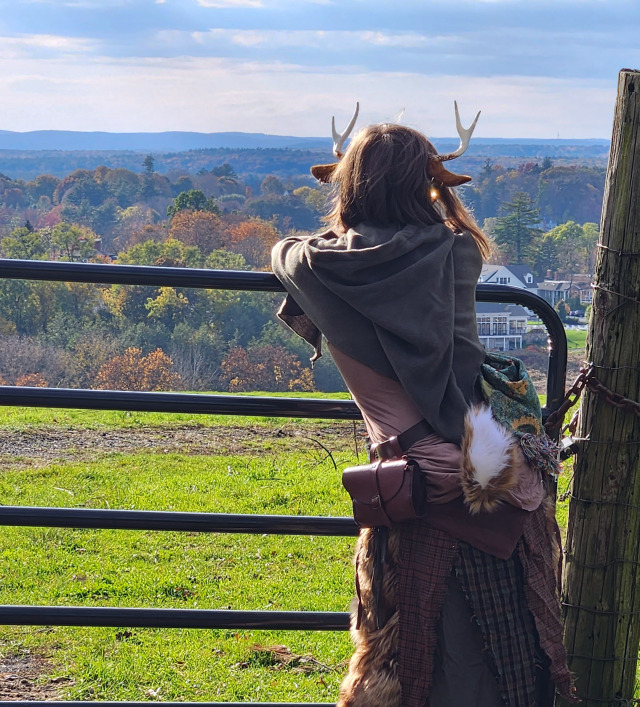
[133, 371]
[32, 380]
[200, 228]
[269, 368]
[253, 239]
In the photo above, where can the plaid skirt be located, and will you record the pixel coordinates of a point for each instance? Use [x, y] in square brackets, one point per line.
[515, 604]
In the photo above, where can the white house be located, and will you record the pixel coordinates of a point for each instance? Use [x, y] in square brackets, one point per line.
[554, 290]
[501, 326]
[551, 290]
[514, 275]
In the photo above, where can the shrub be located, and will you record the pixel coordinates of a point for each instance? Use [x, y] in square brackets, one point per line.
[133, 371]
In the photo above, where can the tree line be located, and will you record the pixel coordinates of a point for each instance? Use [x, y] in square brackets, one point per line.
[128, 337]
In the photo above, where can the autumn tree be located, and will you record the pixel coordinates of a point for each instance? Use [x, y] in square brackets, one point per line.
[43, 185]
[25, 244]
[19, 306]
[91, 349]
[168, 307]
[315, 198]
[272, 186]
[568, 247]
[171, 252]
[72, 242]
[133, 371]
[268, 368]
[254, 239]
[135, 224]
[203, 229]
[128, 303]
[569, 239]
[32, 380]
[224, 170]
[123, 185]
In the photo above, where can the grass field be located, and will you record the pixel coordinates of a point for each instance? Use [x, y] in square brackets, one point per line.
[576, 338]
[150, 461]
[173, 462]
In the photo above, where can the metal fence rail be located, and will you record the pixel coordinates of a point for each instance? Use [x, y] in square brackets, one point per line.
[205, 404]
[249, 282]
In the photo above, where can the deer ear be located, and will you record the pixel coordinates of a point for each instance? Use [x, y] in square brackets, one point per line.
[324, 172]
[443, 176]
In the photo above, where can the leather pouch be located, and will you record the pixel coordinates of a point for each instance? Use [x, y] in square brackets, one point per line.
[386, 491]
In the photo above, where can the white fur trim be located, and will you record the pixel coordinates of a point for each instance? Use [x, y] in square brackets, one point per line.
[491, 445]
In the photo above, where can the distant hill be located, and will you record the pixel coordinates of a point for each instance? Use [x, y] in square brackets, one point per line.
[176, 141]
[58, 152]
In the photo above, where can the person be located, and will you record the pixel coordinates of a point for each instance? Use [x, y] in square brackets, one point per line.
[460, 606]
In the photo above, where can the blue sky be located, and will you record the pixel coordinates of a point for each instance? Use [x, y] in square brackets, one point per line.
[536, 68]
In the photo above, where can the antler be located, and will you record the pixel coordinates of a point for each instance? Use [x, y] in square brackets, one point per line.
[465, 136]
[338, 140]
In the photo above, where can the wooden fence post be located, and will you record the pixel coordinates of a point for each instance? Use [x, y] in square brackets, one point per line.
[601, 595]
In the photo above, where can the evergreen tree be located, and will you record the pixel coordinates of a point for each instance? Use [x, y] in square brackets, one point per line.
[194, 200]
[517, 230]
[149, 164]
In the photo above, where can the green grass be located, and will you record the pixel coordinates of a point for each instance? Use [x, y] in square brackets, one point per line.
[280, 470]
[51, 566]
[576, 338]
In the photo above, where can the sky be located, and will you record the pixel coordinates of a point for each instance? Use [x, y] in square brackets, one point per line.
[536, 68]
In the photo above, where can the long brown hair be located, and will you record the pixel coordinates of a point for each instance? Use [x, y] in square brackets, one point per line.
[383, 180]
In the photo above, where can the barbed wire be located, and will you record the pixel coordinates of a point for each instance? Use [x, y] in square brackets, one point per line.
[601, 566]
[619, 253]
[611, 442]
[603, 502]
[615, 368]
[602, 612]
[613, 292]
[601, 659]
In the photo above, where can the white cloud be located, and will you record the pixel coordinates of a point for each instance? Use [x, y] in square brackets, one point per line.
[210, 95]
[231, 3]
[323, 39]
[33, 44]
[383, 39]
[89, 4]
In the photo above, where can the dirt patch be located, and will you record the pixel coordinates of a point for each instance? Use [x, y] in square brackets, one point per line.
[25, 678]
[46, 445]
[536, 360]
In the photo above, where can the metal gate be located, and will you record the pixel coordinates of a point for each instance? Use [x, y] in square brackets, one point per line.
[205, 404]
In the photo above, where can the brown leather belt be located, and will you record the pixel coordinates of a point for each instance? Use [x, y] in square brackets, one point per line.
[395, 447]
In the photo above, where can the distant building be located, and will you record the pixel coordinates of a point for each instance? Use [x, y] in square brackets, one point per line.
[554, 290]
[501, 326]
[555, 287]
[514, 275]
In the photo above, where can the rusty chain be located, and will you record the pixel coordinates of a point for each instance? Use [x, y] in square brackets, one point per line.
[587, 379]
[556, 418]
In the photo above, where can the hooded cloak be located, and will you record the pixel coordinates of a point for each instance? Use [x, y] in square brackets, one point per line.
[400, 301]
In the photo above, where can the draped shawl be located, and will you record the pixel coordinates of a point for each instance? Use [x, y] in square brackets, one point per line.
[400, 301]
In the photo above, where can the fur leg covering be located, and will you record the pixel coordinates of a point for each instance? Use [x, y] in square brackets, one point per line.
[372, 679]
[488, 460]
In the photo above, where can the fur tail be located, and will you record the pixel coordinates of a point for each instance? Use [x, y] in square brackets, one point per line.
[488, 460]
